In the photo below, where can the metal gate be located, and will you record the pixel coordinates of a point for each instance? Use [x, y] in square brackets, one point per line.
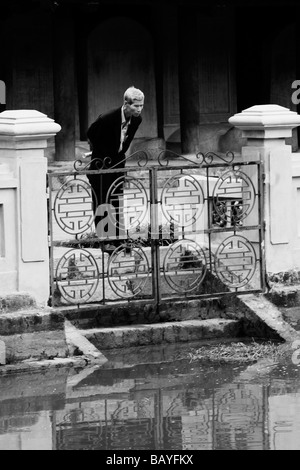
[188, 227]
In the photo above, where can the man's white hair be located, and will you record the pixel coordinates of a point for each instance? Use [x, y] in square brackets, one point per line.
[132, 94]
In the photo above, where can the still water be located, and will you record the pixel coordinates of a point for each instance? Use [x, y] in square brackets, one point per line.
[165, 404]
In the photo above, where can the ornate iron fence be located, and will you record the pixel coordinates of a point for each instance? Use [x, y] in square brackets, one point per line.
[186, 227]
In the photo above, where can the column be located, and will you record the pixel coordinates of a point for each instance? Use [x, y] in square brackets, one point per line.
[64, 85]
[266, 127]
[23, 140]
[188, 70]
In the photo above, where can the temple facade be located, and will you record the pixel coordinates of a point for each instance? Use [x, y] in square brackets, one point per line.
[198, 63]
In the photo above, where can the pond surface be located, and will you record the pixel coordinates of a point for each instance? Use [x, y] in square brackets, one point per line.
[157, 405]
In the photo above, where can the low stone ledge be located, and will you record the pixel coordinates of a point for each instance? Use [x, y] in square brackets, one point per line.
[38, 345]
[97, 315]
[284, 296]
[29, 321]
[141, 312]
[31, 334]
[16, 302]
[170, 332]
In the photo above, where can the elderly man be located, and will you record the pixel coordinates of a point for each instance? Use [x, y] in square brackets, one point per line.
[110, 137]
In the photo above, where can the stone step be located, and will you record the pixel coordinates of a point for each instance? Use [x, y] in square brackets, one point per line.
[32, 334]
[162, 333]
[144, 312]
[284, 295]
[35, 346]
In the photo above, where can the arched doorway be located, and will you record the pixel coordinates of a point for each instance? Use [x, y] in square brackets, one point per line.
[120, 54]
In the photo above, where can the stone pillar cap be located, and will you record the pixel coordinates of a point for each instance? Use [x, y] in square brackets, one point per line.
[267, 116]
[27, 123]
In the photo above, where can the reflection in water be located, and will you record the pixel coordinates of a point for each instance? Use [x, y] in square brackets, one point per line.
[158, 406]
[229, 417]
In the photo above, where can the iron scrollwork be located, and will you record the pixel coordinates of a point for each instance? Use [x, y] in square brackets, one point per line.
[141, 157]
[99, 164]
[95, 164]
[166, 156]
[210, 157]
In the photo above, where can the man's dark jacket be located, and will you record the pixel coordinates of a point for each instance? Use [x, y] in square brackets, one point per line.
[104, 136]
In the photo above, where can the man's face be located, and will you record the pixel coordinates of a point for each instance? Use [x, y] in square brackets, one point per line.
[134, 108]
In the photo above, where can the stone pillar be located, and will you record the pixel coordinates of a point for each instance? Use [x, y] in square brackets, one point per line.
[25, 265]
[266, 127]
